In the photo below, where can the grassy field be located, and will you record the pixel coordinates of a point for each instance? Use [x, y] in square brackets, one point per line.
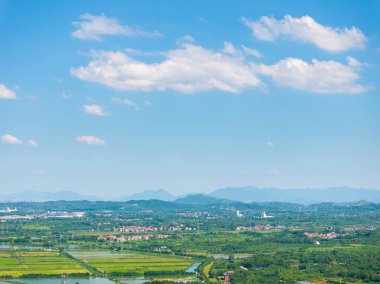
[206, 269]
[108, 262]
[18, 264]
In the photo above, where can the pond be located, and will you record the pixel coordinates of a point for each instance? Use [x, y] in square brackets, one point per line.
[192, 268]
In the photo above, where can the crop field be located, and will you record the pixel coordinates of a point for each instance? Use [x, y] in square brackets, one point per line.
[131, 262]
[18, 264]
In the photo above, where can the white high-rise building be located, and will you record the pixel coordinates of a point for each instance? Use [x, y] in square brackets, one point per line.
[264, 215]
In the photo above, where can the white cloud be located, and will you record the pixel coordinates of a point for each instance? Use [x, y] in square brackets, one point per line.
[32, 143]
[323, 77]
[6, 93]
[306, 29]
[126, 102]
[270, 144]
[95, 27]
[95, 110]
[229, 48]
[91, 140]
[188, 69]
[10, 139]
[251, 52]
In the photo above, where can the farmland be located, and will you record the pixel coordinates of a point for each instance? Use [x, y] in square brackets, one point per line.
[17, 264]
[132, 263]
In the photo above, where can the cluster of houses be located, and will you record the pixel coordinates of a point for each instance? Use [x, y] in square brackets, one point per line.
[261, 228]
[358, 228]
[58, 215]
[190, 214]
[135, 229]
[125, 238]
[146, 229]
[326, 236]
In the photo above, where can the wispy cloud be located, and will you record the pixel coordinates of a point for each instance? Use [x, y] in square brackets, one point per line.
[188, 69]
[127, 103]
[251, 52]
[323, 77]
[6, 93]
[91, 27]
[91, 140]
[270, 144]
[274, 171]
[10, 139]
[185, 39]
[96, 110]
[353, 62]
[32, 143]
[306, 29]
[65, 96]
[31, 98]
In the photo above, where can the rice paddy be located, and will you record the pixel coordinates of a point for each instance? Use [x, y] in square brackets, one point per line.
[20, 264]
[132, 262]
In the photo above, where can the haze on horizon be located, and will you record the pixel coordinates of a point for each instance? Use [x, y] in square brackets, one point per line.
[113, 98]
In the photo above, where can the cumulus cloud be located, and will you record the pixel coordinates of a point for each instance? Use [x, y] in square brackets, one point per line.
[95, 110]
[32, 143]
[188, 69]
[10, 139]
[91, 140]
[306, 29]
[92, 27]
[6, 93]
[323, 77]
[127, 103]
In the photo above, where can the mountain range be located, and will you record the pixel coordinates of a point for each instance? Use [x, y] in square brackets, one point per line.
[31, 195]
[240, 194]
[301, 196]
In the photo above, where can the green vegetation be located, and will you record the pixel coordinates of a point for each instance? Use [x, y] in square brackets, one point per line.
[133, 263]
[34, 264]
[161, 240]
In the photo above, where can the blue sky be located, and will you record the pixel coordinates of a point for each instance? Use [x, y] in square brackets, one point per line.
[115, 97]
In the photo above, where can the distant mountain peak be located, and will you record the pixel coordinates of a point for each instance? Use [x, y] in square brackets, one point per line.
[199, 199]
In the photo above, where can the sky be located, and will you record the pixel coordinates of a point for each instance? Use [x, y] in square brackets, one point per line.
[115, 97]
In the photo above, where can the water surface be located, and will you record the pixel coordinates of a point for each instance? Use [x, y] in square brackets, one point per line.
[192, 268]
